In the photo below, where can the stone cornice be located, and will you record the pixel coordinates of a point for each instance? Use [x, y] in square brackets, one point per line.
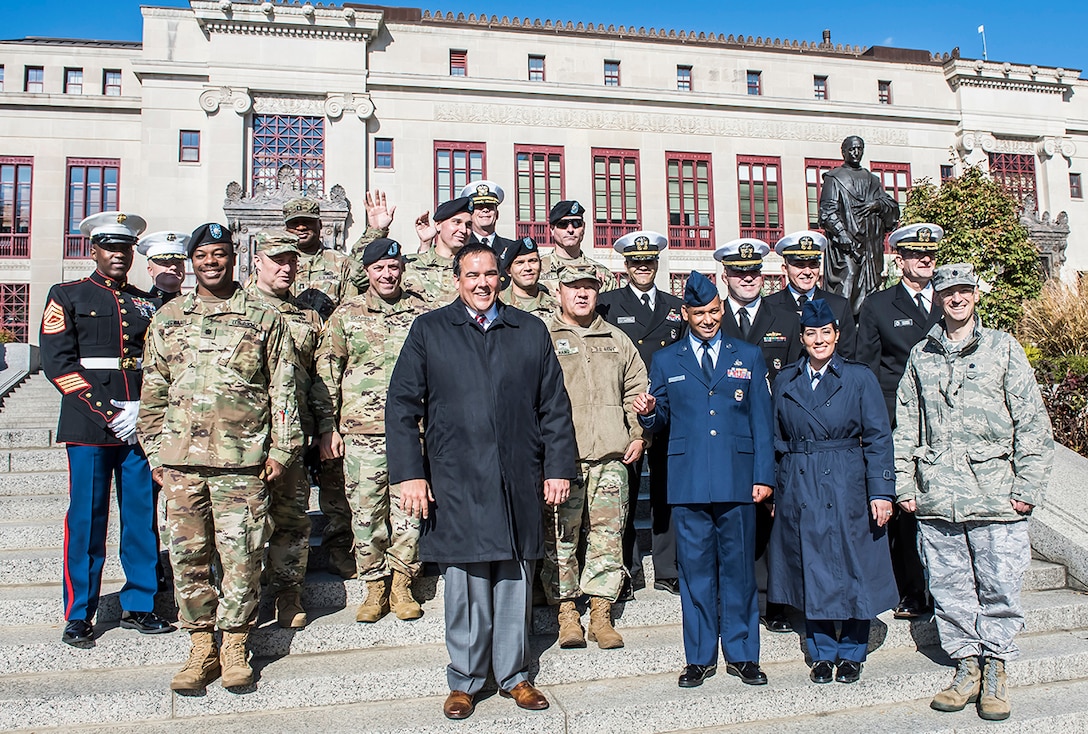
[83, 102]
[298, 20]
[242, 100]
[1044, 146]
[1009, 77]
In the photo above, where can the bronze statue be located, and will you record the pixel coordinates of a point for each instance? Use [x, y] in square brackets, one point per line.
[855, 212]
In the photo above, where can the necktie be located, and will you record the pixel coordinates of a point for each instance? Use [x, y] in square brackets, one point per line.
[745, 323]
[921, 304]
[646, 302]
[815, 380]
[482, 321]
[801, 301]
[707, 362]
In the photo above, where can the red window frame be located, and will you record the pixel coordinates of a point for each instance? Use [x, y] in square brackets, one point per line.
[763, 197]
[677, 282]
[380, 156]
[895, 177]
[458, 62]
[536, 74]
[100, 196]
[948, 172]
[1016, 173]
[617, 203]
[755, 82]
[192, 149]
[689, 185]
[820, 88]
[683, 78]
[884, 92]
[111, 82]
[70, 83]
[611, 73]
[294, 140]
[815, 168]
[15, 309]
[16, 197]
[460, 169]
[538, 171]
[39, 81]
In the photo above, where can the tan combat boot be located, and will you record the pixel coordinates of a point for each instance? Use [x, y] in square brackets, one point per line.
[289, 611]
[203, 665]
[964, 689]
[376, 604]
[233, 659]
[401, 601]
[601, 630]
[342, 562]
[993, 705]
[570, 626]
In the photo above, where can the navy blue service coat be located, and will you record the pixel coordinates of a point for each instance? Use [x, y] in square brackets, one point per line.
[826, 555]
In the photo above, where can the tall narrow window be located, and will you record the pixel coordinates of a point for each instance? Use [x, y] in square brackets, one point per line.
[690, 200]
[1016, 173]
[35, 80]
[536, 68]
[819, 87]
[455, 164]
[884, 92]
[15, 188]
[611, 73]
[93, 186]
[1075, 189]
[458, 62]
[539, 173]
[948, 173]
[111, 82]
[189, 146]
[617, 208]
[683, 78]
[15, 309]
[815, 168]
[755, 83]
[1, 77]
[760, 197]
[383, 153]
[292, 140]
[73, 81]
[895, 177]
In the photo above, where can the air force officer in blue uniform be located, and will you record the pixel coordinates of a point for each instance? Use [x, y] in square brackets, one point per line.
[711, 391]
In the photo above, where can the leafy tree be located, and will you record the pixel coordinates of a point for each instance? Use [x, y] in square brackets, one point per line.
[981, 222]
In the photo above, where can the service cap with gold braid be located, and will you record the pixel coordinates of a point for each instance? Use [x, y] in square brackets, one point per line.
[164, 247]
[484, 192]
[921, 237]
[641, 245]
[803, 245]
[745, 254]
[273, 242]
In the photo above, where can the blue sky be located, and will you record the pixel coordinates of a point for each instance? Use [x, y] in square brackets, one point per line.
[1052, 34]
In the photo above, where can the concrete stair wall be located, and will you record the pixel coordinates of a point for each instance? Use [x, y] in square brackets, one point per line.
[389, 677]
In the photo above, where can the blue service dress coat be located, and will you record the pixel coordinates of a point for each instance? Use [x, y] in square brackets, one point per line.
[826, 555]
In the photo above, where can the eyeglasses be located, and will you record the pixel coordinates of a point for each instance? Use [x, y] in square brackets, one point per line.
[568, 223]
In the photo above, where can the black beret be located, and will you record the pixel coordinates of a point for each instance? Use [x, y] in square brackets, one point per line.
[524, 246]
[380, 249]
[447, 209]
[565, 209]
[208, 234]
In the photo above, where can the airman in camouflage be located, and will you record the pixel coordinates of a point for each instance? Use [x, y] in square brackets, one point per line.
[289, 545]
[567, 220]
[973, 452]
[521, 278]
[603, 373]
[359, 349]
[218, 419]
[431, 271]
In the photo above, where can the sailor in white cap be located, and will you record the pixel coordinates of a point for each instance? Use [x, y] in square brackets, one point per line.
[486, 197]
[166, 255]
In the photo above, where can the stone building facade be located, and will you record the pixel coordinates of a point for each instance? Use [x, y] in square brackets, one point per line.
[701, 136]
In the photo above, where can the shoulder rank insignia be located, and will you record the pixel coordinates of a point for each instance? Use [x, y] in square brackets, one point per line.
[53, 319]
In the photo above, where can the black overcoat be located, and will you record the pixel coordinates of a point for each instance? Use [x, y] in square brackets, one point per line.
[496, 421]
[649, 331]
[826, 555]
[839, 306]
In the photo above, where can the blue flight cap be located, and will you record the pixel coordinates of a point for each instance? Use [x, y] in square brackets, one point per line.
[817, 313]
[699, 291]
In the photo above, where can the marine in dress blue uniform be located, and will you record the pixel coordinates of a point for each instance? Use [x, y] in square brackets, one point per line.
[92, 339]
[711, 390]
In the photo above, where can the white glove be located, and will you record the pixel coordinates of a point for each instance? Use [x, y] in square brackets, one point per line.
[124, 423]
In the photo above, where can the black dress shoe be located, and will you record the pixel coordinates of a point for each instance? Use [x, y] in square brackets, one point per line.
[748, 672]
[627, 592]
[694, 675]
[848, 672]
[78, 633]
[146, 623]
[911, 607]
[822, 671]
[778, 623]
[670, 585]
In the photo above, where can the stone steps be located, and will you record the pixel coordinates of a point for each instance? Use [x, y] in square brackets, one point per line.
[631, 690]
[34, 460]
[17, 434]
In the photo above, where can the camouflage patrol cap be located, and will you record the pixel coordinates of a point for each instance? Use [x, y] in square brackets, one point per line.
[272, 242]
[953, 274]
[573, 273]
[301, 208]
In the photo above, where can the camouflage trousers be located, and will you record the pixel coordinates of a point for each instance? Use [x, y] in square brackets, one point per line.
[334, 506]
[385, 538]
[207, 512]
[289, 543]
[975, 570]
[596, 508]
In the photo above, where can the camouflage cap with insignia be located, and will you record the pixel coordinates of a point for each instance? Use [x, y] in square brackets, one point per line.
[953, 274]
[301, 208]
[921, 237]
[641, 245]
[273, 242]
[573, 273]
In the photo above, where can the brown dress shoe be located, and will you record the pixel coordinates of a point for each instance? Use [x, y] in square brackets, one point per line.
[458, 705]
[526, 696]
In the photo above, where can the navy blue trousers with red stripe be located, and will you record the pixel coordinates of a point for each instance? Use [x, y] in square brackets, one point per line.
[90, 471]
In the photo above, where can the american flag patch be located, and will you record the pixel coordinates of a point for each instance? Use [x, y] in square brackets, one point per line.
[53, 318]
[71, 382]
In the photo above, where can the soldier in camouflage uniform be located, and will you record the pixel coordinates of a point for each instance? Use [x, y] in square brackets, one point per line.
[567, 220]
[362, 341]
[289, 545]
[973, 451]
[432, 270]
[218, 419]
[521, 264]
[603, 373]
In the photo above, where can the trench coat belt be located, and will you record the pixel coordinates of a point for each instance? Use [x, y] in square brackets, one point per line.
[809, 447]
[112, 363]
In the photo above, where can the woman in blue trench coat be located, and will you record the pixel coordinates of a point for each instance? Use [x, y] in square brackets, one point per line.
[828, 553]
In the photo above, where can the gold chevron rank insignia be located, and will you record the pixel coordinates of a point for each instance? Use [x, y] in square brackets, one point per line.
[71, 382]
[53, 319]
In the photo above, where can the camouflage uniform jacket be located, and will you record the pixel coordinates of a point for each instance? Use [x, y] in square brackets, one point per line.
[358, 351]
[219, 386]
[431, 275]
[971, 429]
[305, 326]
[550, 264]
[603, 373]
[544, 304]
[326, 278]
